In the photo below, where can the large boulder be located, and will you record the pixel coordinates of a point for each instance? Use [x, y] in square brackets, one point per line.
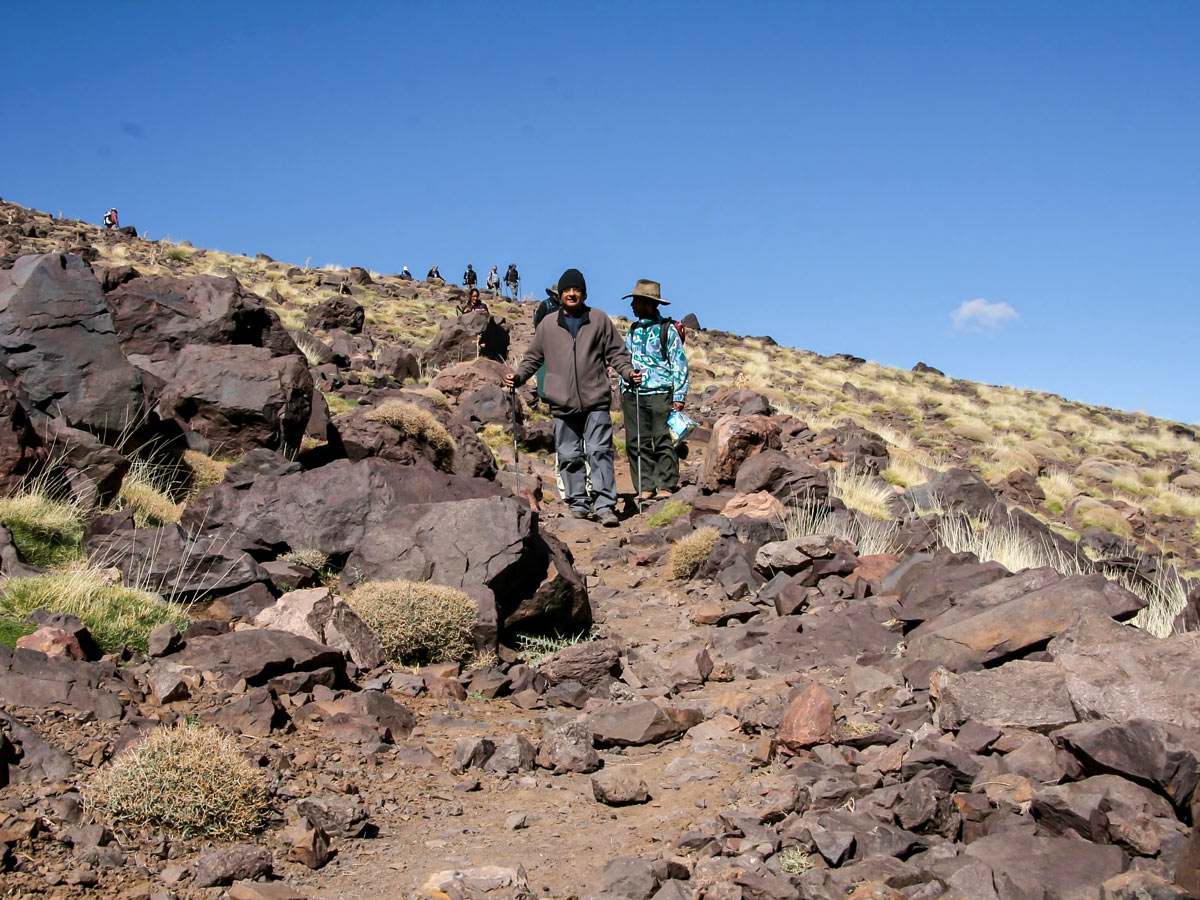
[29, 678]
[1134, 675]
[1165, 758]
[158, 316]
[171, 562]
[327, 508]
[339, 311]
[456, 341]
[1020, 624]
[490, 542]
[462, 378]
[399, 363]
[788, 480]
[955, 489]
[734, 440]
[239, 397]
[92, 470]
[60, 349]
[1018, 694]
[1024, 865]
[19, 445]
[257, 655]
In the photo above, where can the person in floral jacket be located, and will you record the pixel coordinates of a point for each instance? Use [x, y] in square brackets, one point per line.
[656, 346]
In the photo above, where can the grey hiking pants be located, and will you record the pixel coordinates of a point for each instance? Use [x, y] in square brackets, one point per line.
[583, 440]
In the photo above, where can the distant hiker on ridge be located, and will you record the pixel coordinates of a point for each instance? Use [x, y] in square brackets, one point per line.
[493, 281]
[512, 280]
[406, 275]
[656, 348]
[578, 344]
[435, 276]
[110, 219]
[469, 277]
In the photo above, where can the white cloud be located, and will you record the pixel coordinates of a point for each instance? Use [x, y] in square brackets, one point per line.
[981, 315]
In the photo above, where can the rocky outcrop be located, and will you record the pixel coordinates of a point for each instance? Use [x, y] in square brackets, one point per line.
[61, 350]
[239, 397]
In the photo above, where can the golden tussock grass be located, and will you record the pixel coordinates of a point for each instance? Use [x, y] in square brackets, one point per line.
[417, 622]
[690, 553]
[190, 781]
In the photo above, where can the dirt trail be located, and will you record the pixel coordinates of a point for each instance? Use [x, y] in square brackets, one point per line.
[428, 823]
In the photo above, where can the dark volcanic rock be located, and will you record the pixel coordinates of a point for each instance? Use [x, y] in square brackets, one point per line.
[1023, 623]
[789, 480]
[158, 316]
[170, 562]
[29, 678]
[328, 508]
[339, 311]
[1163, 757]
[239, 397]
[734, 440]
[633, 724]
[257, 655]
[58, 341]
[1047, 866]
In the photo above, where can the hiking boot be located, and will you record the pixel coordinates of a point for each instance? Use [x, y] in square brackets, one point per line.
[580, 514]
[663, 492]
[647, 495]
[607, 518]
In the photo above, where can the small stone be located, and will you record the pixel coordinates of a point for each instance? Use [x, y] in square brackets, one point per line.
[619, 787]
[515, 821]
[274, 890]
[241, 862]
[307, 844]
[808, 720]
[82, 877]
[163, 640]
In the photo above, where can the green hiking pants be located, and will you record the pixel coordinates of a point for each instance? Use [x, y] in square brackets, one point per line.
[647, 440]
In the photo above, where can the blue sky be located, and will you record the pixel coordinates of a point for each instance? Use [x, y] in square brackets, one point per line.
[1007, 191]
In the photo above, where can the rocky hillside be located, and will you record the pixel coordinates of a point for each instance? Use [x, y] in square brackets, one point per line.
[282, 625]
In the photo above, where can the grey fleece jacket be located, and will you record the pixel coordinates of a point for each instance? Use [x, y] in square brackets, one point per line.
[576, 368]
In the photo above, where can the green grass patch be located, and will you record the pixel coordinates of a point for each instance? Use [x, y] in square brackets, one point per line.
[11, 630]
[113, 613]
[47, 532]
[533, 648]
[338, 404]
[669, 513]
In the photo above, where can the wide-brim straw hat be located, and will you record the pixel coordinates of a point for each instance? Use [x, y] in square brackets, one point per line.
[648, 290]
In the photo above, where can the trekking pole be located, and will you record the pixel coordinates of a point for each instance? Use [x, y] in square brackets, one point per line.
[512, 395]
[637, 416]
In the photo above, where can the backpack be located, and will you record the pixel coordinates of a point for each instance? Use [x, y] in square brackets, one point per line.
[664, 334]
[545, 308]
[108, 218]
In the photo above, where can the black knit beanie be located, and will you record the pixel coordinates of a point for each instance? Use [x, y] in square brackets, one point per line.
[571, 278]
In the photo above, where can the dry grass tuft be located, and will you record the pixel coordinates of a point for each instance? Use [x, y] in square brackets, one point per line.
[189, 780]
[204, 470]
[689, 553]
[146, 490]
[418, 622]
[416, 423]
[865, 493]
[315, 559]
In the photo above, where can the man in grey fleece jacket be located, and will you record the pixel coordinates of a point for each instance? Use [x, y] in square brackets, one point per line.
[578, 344]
